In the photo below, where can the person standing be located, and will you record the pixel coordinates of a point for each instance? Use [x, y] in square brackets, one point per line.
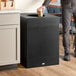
[68, 9]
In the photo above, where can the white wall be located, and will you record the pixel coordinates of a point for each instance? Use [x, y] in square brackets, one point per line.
[28, 5]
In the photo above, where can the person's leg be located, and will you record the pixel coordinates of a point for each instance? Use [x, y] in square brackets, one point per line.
[75, 32]
[66, 17]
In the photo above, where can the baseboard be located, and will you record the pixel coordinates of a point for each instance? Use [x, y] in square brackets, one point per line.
[8, 67]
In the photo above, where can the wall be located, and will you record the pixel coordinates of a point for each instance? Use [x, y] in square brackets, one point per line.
[28, 5]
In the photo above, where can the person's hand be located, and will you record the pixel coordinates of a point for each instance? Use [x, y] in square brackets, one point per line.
[40, 10]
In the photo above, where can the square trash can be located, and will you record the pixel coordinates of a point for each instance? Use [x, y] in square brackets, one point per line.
[39, 40]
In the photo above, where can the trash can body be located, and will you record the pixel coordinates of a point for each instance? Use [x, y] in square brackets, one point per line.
[39, 40]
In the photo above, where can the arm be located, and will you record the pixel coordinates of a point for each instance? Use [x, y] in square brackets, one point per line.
[46, 2]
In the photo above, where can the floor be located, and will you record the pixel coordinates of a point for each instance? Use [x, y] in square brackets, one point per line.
[63, 69]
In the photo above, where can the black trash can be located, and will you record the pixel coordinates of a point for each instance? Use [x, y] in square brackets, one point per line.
[39, 40]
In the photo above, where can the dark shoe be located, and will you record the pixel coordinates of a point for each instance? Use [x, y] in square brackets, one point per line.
[67, 58]
[74, 53]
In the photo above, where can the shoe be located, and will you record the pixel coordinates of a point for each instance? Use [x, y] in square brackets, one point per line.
[74, 53]
[67, 58]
